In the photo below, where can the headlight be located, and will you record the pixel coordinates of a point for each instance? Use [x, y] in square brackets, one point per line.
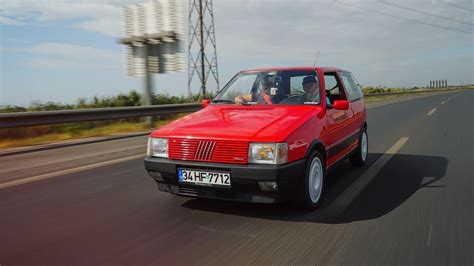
[157, 147]
[268, 153]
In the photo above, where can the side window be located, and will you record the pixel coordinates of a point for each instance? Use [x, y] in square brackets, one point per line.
[353, 91]
[334, 90]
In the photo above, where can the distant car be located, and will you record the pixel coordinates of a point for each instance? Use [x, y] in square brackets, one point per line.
[264, 138]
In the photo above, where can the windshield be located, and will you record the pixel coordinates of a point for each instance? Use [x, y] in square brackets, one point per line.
[289, 87]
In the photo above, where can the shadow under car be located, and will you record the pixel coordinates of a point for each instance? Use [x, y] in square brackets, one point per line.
[396, 182]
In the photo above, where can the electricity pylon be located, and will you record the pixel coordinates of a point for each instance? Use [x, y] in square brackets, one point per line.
[202, 55]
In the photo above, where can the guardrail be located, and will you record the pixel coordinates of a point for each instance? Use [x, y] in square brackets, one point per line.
[412, 92]
[24, 119]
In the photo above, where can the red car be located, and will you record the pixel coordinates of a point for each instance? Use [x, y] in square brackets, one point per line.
[269, 135]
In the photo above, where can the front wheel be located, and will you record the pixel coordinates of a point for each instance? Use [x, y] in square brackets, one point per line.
[359, 158]
[312, 185]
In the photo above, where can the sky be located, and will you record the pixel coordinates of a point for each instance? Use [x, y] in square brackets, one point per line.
[61, 50]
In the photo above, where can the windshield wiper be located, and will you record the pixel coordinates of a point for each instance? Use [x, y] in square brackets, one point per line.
[229, 101]
[222, 101]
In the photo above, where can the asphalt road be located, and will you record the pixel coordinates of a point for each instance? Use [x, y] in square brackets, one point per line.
[412, 204]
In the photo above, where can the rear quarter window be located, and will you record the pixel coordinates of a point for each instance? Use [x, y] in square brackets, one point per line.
[353, 90]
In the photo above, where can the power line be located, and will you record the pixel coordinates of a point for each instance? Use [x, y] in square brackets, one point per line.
[407, 19]
[424, 13]
[457, 6]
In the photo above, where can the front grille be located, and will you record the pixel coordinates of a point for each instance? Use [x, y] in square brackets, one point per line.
[204, 150]
[219, 151]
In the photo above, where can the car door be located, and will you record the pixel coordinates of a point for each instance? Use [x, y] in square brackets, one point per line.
[339, 121]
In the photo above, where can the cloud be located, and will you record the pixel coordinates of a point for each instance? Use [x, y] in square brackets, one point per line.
[50, 63]
[104, 26]
[378, 48]
[9, 21]
[60, 55]
[101, 16]
[75, 52]
[374, 45]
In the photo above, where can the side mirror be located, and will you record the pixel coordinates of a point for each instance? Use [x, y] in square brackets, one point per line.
[341, 105]
[205, 103]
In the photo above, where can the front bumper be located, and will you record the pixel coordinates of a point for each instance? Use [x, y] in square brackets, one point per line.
[244, 178]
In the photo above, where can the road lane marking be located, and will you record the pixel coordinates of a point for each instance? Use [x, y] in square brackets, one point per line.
[67, 171]
[218, 231]
[432, 111]
[443, 102]
[348, 196]
[429, 235]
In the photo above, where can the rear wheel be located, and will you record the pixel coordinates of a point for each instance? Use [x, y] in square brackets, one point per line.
[360, 156]
[312, 185]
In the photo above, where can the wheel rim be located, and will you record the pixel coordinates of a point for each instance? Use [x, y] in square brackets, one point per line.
[315, 179]
[364, 148]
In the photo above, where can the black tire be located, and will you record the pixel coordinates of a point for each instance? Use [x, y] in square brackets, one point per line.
[358, 158]
[306, 201]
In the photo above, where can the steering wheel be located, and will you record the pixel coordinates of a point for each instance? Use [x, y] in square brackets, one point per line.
[294, 96]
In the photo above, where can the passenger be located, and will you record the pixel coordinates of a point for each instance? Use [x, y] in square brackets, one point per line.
[264, 97]
[310, 87]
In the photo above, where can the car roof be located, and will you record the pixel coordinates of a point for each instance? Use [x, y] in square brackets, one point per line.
[324, 69]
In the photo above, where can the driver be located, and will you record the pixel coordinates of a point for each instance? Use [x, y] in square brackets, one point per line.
[262, 97]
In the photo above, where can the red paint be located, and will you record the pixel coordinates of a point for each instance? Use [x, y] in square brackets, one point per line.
[341, 105]
[205, 103]
[232, 127]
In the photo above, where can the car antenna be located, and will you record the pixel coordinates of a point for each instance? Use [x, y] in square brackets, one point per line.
[316, 61]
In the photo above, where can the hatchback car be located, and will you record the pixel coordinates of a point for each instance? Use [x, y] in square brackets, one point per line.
[269, 135]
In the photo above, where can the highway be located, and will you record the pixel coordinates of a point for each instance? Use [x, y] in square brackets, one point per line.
[411, 204]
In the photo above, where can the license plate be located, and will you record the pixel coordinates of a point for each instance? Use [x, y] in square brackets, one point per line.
[204, 178]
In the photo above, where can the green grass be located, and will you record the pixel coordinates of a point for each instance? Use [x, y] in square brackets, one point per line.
[390, 97]
[19, 137]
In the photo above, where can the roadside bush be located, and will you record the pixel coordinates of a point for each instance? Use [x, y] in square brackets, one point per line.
[133, 98]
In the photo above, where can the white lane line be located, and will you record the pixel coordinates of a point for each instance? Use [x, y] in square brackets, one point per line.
[432, 111]
[443, 102]
[429, 235]
[343, 201]
[68, 171]
[218, 231]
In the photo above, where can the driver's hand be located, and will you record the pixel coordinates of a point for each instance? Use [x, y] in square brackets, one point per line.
[243, 98]
[239, 98]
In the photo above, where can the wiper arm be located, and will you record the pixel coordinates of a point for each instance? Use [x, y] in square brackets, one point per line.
[229, 101]
[222, 101]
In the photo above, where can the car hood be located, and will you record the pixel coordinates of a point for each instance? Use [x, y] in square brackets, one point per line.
[230, 122]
